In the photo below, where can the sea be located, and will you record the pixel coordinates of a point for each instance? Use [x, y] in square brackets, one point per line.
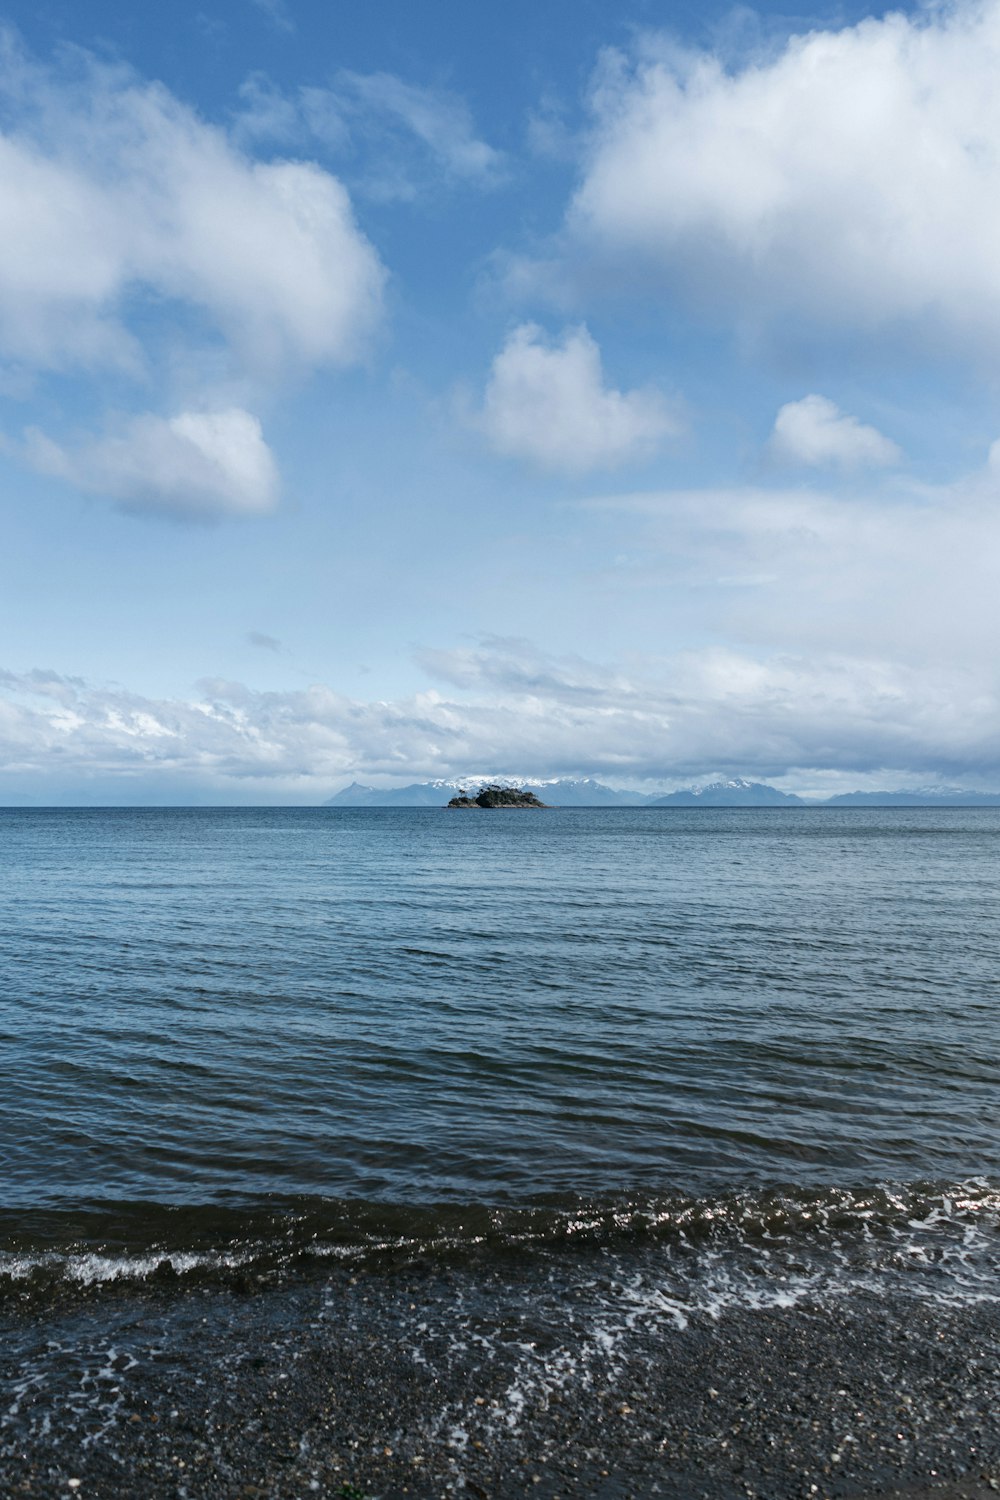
[383, 1152]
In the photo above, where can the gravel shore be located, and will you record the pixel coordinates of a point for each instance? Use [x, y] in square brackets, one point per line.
[430, 1383]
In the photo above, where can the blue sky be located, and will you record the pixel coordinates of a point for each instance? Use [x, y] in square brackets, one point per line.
[402, 391]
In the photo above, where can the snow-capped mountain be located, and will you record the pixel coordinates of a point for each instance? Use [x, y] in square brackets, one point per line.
[586, 792]
[737, 792]
[556, 791]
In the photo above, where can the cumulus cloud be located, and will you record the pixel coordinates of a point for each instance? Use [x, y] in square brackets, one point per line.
[853, 178]
[194, 464]
[815, 432]
[548, 403]
[112, 191]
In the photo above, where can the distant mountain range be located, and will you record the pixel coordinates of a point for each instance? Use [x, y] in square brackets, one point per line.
[944, 796]
[736, 793]
[565, 792]
[559, 792]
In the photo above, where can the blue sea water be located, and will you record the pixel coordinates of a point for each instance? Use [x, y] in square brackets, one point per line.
[217, 1006]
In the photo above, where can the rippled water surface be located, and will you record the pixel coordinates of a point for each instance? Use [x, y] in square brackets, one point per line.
[420, 1006]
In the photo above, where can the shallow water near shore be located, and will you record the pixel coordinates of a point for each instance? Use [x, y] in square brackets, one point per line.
[543, 1110]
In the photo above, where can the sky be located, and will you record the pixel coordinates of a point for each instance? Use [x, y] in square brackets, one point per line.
[399, 392]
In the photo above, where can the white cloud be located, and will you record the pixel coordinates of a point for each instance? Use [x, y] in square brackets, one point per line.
[195, 464]
[730, 709]
[853, 179]
[515, 709]
[112, 190]
[548, 403]
[815, 432]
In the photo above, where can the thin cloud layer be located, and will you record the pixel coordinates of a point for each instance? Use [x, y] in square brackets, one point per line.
[113, 190]
[853, 179]
[277, 13]
[264, 642]
[441, 121]
[815, 432]
[193, 465]
[548, 403]
[396, 139]
[900, 572]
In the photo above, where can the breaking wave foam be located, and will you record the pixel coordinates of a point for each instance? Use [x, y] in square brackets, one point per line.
[769, 1248]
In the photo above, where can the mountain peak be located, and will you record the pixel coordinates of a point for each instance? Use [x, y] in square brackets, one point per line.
[558, 792]
[736, 792]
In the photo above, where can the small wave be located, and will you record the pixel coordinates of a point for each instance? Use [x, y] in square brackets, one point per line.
[90, 1268]
[768, 1246]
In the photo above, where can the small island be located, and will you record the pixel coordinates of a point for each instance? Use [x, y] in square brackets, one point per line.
[497, 796]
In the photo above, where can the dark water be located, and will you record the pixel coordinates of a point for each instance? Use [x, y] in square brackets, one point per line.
[739, 1060]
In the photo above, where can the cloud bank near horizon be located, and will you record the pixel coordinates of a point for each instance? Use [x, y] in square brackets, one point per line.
[836, 665]
[507, 705]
